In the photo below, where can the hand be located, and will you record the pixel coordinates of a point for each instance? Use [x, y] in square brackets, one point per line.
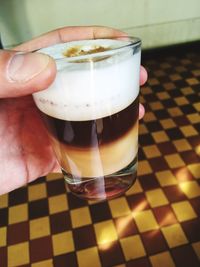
[25, 151]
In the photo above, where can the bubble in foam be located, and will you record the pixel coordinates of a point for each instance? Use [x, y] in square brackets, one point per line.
[86, 88]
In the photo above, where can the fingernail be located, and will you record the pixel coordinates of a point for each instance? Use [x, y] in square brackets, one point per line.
[24, 67]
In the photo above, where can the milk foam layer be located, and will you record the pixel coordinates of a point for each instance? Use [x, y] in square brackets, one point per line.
[91, 90]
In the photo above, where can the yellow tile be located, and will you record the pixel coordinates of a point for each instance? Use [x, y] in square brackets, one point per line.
[196, 247]
[151, 151]
[175, 77]
[163, 95]
[153, 81]
[121, 265]
[18, 254]
[132, 247]
[54, 176]
[197, 106]
[149, 116]
[169, 86]
[174, 161]
[174, 235]
[4, 201]
[195, 170]
[156, 198]
[188, 131]
[192, 81]
[145, 220]
[142, 100]
[182, 145]
[166, 178]
[162, 259]
[146, 90]
[184, 211]
[167, 123]
[37, 191]
[58, 203]
[180, 101]
[160, 137]
[191, 189]
[80, 217]
[62, 243]
[3, 235]
[156, 105]
[144, 167]
[119, 207]
[174, 112]
[196, 72]
[46, 263]
[39, 227]
[88, 257]
[197, 149]
[142, 129]
[105, 232]
[136, 188]
[187, 91]
[193, 118]
[159, 73]
[18, 213]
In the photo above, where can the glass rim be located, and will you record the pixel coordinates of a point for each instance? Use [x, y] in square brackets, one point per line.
[133, 43]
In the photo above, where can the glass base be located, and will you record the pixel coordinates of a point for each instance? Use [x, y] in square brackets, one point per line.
[103, 188]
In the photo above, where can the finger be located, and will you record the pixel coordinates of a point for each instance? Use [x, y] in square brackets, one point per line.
[69, 34]
[143, 75]
[24, 73]
[141, 111]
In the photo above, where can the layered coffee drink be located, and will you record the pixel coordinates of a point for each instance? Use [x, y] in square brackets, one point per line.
[91, 113]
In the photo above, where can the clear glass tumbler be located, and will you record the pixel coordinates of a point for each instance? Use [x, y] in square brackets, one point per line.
[91, 113]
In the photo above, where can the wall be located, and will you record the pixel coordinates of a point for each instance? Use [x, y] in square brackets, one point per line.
[157, 22]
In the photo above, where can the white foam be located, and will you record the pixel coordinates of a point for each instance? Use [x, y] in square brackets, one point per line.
[91, 90]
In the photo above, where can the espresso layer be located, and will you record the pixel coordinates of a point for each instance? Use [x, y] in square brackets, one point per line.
[94, 132]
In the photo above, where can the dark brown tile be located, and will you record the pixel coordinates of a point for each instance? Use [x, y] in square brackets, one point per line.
[158, 164]
[143, 262]
[188, 109]
[164, 215]
[192, 229]
[196, 205]
[41, 249]
[100, 212]
[17, 233]
[125, 226]
[3, 217]
[38, 208]
[154, 242]
[190, 157]
[84, 237]
[181, 121]
[154, 126]
[138, 202]
[18, 196]
[56, 187]
[166, 148]
[174, 133]
[60, 222]
[174, 193]
[145, 139]
[111, 254]
[75, 202]
[3, 257]
[161, 114]
[194, 141]
[185, 256]
[148, 181]
[66, 260]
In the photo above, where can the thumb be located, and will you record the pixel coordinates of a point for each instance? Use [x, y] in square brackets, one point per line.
[24, 73]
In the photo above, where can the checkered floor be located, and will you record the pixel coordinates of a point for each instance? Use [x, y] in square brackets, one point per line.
[156, 223]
